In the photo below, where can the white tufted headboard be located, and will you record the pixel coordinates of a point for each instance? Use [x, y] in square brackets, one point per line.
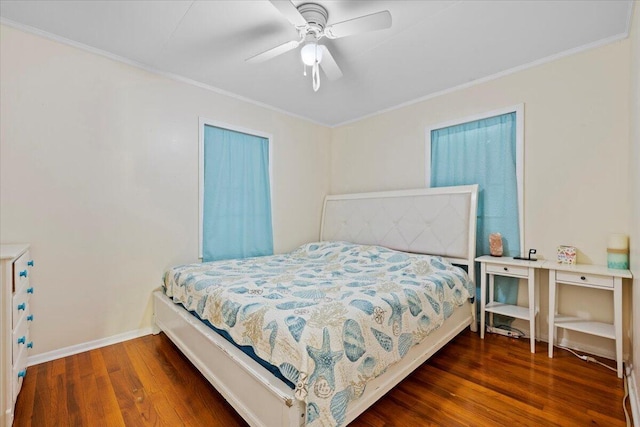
[435, 221]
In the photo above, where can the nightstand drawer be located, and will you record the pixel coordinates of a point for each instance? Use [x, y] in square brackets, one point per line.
[511, 270]
[584, 279]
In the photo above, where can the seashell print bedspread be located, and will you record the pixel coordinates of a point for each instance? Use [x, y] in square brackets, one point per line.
[330, 315]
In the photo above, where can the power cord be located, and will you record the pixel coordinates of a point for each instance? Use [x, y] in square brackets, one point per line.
[587, 358]
[624, 399]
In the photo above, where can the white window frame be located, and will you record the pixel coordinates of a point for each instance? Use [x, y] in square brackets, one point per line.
[519, 110]
[202, 122]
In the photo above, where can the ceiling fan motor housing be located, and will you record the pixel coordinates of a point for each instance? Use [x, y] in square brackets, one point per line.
[315, 15]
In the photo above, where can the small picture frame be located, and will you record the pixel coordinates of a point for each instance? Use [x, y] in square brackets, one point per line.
[566, 254]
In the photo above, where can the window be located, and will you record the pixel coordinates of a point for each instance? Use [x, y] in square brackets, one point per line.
[235, 192]
[485, 150]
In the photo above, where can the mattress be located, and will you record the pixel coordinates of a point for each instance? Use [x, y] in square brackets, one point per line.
[329, 315]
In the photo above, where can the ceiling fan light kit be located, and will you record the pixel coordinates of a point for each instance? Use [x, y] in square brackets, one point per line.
[311, 53]
[310, 19]
[312, 56]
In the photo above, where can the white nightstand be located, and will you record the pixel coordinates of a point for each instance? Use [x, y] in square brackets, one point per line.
[509, 267]
[587, 276]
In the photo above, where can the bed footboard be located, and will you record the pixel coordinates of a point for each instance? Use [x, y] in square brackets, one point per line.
[259, 397]
[260, 400]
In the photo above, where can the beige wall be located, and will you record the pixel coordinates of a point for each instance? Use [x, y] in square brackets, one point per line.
[576, 159]
[99, 172]
[634, 165]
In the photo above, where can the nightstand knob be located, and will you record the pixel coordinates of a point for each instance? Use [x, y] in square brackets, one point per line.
[30, 290]
[23, 273]
[30, 318]
[22, 373]
[22, 340]
[30, 344]
[583, 278]
[30, 263]
[506, 269]
[22, 306]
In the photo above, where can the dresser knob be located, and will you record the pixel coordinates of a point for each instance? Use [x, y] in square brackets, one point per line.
[30, 263]
[22, 373]
[506, 269]
[30, 290]
[30, 318]
[30, 344]
[22, 340]
[583, 278]
[22, 306]
[23, 273]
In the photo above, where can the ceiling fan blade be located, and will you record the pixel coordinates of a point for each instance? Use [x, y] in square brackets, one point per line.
[290, 12]
[375, 21]
[329, 65]
[273, 52]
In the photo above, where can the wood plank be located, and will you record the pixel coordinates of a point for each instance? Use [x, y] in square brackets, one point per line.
[127, 387]
[76, 404]
[53, 395]
[470, 382]
[106, 395]
[155, 388]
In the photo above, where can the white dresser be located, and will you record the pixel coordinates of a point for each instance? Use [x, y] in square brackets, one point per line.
[15, 318]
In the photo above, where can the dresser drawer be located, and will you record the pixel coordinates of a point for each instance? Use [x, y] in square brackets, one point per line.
[21, 305]
[510, 270]
[19, 371]
[21, 267]
[21, 337]
[584, 279]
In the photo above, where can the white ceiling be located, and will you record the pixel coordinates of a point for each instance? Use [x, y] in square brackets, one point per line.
[432, 46]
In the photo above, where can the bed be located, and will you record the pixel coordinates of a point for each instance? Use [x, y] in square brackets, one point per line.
[342, 320]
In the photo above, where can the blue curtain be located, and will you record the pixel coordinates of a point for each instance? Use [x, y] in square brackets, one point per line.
[484, 152]
[237, 199]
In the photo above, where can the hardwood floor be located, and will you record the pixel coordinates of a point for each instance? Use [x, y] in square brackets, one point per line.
[495, 382]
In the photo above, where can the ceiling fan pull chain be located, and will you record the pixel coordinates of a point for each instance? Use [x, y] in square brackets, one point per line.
[316, 77]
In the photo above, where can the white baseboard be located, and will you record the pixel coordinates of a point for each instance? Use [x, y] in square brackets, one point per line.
[91, 345]
[634, 398]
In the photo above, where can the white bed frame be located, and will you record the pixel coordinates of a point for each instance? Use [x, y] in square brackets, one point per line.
[437, 221]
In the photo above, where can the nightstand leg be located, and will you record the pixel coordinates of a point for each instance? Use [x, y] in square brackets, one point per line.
[531, 284]
[552, 309]
[617, 320]
[491, 296]
[483, 296]
[536, 285]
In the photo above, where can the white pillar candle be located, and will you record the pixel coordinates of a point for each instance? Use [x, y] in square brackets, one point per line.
[618, 241]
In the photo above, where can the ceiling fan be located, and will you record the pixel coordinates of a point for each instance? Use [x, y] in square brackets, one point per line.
[310, 19]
